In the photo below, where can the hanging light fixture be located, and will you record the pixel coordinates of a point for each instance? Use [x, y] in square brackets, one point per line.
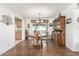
[39, 19]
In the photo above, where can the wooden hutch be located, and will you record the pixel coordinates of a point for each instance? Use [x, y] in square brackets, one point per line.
[59, 28]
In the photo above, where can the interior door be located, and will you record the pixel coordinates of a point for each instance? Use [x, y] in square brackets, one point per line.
[18, 31]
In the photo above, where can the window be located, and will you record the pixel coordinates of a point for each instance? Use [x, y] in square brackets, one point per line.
[41, 28]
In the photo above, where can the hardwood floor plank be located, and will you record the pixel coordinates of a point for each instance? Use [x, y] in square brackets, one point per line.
[50, 48]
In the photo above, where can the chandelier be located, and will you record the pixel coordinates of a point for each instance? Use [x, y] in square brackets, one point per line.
[39, 19]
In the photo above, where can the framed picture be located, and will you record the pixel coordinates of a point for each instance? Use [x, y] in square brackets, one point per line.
[28, 25]
[68, 21]
[78, 19]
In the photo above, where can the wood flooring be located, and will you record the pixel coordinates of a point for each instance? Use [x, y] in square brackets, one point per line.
[50, 48]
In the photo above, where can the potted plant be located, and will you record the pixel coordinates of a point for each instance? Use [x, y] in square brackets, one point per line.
[58, 29]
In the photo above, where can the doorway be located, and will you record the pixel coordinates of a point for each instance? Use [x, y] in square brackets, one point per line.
[18, 30]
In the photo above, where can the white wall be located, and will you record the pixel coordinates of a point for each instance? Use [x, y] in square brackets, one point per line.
[72, 29]
[69, 27]
[28, 21]
[7, 33]
[50, 29]
[23, 29]
[76, 31]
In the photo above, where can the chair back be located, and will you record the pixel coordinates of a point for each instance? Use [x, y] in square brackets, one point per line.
[36, 36]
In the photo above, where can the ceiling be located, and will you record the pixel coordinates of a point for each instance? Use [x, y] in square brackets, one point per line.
[32, 10]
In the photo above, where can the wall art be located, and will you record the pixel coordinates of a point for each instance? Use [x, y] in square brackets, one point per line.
[6, 19]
